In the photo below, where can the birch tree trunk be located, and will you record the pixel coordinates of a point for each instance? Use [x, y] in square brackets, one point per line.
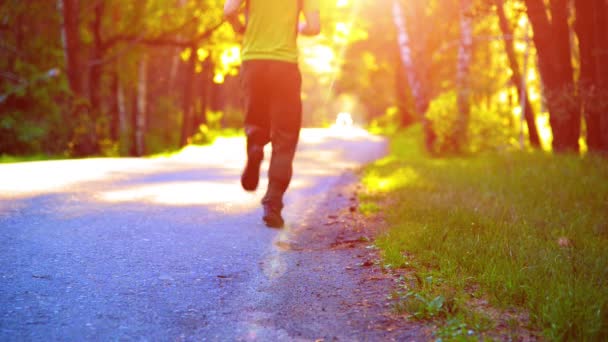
[122, 110]
[118, 125]
[139, 122]
[114, 108]
[421, 100]
[465, 54]
[406, 115]
[187, 112]
[176, 59]
[205, 80]
[516, 77]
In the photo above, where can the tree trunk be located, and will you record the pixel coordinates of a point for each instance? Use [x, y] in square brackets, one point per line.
[465, 54]
[71, 43]
[421, 100]
[96, 65]
[118, 120]
[114, 108]
[20, 39]
[406, 117]
[174, 69]
[122, 109]
[205, 80]
[552, 40]
[591, 28]
[187, 119]
[601, 61]
[176, 59]
[139, 121]
[84, 141]
[516, 77]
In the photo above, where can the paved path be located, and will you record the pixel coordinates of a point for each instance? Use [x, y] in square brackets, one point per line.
[173, 249]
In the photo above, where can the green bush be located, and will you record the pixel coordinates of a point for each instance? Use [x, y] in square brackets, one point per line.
[489, 127]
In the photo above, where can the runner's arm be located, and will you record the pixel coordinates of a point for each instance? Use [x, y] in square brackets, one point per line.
[232, 8]
[231, 13]
[312, 24]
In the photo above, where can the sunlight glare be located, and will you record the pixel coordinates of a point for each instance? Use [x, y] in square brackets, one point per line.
[522, 22]
[218, 78]
[231, 57]
[503, 96]
[230, 60]
[35, 178]
[517, 111]
[321, 58]
[342, 3]
[344, 120]
[181, 193]
[534, 94]
[399, 179]
[343, 29]
[544, 131]
[202, 54]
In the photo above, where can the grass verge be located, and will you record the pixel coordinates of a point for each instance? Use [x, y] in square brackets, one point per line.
[208, 139]
[520, 229]
[7, 159]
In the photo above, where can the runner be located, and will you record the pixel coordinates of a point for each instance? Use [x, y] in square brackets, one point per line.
[271, 82]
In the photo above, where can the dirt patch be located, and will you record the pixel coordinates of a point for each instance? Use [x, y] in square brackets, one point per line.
[334, 287]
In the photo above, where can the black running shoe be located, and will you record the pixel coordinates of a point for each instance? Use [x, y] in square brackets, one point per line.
[251, 175]
[272, 217]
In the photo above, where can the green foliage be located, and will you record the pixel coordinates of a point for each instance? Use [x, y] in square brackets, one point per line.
[44, 115]
[443, 113]
[528, 228]
[163, 131]
[490, 126]
[7, 159]
[33, 102]
[370, 63]
[455, 330]
[207, 133]
[386, 124]
[421, 307]
[33, 123]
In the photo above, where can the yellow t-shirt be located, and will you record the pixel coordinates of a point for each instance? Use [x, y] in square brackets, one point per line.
[272, 29]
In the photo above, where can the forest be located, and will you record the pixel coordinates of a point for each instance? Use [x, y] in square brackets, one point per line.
[118, 78]
[493, 190]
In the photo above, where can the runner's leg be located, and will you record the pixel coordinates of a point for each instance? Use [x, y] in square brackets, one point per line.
[286, 121]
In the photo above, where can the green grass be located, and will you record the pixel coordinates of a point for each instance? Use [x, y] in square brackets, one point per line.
[208, 139]
[526, 229]
[6, 159]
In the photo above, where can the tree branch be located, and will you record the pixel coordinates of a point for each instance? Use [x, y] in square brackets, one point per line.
[162, 40]
[132, 38]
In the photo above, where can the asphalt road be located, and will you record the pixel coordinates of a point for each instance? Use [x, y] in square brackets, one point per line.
[173, 249]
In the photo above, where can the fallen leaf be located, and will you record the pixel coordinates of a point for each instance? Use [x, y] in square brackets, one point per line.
[564, 242]
[367, 263]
